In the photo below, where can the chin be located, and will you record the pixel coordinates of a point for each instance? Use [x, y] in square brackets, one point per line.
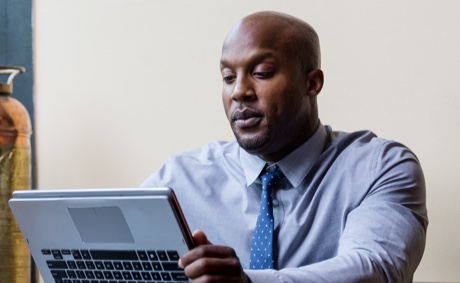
[254, 144]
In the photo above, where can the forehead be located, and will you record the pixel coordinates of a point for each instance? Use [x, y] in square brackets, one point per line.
[257, 39]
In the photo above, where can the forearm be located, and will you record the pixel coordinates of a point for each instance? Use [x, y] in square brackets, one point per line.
[373, 248]
[353, 267]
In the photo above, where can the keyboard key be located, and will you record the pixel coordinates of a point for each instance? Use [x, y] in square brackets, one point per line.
[76, 254]
[166, 276]
[155, 275]
[136, 265]
[58, 274]
[99, 264]
[85, 254]
[108, 275]
[71, 264]
[65, 252]
[56, 254]
[142, 255]
[127, 265]
[147, 266]
[46, 252]
[89, 274]
[108, 265]
[117, 275]
[81, 264]
[98, 275]
[156, 266]
[136, 275]
[71, 274]
[179, 276]
[80, 274]
[171, 266]
[173, 255]
[90, 265]
[127, 275]
[146, 276]
[152, 255]
[56, 264]
[162, 255]
[113, 255]
[117, 265]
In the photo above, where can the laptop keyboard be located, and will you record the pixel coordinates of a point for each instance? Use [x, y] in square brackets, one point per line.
[110, 266]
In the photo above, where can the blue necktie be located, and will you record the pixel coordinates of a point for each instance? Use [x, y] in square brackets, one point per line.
[262, 241]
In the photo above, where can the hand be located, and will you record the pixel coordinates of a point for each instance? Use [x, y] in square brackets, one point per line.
[212, 263]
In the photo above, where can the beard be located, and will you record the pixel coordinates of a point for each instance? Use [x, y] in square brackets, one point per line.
[255, 144]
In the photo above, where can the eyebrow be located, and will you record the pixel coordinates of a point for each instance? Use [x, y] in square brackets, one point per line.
[256, 57]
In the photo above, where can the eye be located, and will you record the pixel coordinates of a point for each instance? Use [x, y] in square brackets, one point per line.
[228, 79]
[263, 75]
[228, 76]
[263, 71]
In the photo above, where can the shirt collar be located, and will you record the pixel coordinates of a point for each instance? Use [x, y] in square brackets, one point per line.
[294, 166]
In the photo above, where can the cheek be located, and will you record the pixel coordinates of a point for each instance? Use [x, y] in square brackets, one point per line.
[226, 102]
[278, 99]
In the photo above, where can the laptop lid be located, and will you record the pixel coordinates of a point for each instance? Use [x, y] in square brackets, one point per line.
[103, 235]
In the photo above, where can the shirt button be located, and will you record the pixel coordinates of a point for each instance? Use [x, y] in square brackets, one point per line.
[275, 203]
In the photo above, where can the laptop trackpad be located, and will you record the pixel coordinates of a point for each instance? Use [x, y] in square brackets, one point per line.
[101, 225]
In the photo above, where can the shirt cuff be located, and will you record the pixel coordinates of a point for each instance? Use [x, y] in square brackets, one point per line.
[262, 276]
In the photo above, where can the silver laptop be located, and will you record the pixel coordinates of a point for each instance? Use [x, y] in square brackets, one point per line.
[104, 235]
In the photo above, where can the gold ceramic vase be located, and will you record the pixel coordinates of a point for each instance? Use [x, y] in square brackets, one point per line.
[15, 174]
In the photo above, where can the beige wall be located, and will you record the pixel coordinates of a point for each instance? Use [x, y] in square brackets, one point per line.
[122, 84]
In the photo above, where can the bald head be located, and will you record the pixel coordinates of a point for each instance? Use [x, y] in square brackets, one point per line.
[270, 67]
[289, 34]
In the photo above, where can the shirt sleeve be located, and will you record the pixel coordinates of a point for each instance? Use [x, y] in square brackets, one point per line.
[384, 237]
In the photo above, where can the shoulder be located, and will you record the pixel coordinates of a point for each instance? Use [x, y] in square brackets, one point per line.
[366, 142]
[210, 159]
[364, 151]
[210, 152]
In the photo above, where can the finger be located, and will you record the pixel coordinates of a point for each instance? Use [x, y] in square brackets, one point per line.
[206, 251]
[199, 237]
[227, 267]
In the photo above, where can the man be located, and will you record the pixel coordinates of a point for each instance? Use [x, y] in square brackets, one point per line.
[347, 207]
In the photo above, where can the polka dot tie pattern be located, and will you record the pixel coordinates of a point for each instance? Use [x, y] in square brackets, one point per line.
[262, 241]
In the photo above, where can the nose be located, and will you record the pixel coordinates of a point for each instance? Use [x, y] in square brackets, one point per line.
[243, 89]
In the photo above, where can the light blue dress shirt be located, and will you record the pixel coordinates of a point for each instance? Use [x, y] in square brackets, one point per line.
[351, 207]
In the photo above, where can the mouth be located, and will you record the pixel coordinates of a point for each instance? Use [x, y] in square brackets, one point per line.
[246, 118]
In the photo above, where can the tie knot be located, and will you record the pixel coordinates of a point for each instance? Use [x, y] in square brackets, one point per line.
[271, 176]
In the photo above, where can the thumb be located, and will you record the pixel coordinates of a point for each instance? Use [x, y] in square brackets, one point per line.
[199, 237]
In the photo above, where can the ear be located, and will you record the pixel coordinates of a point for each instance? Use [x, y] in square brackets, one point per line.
[315, 81]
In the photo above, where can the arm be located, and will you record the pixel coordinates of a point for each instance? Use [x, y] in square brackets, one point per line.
[382, 241]
[383, 238]
[212, 263]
